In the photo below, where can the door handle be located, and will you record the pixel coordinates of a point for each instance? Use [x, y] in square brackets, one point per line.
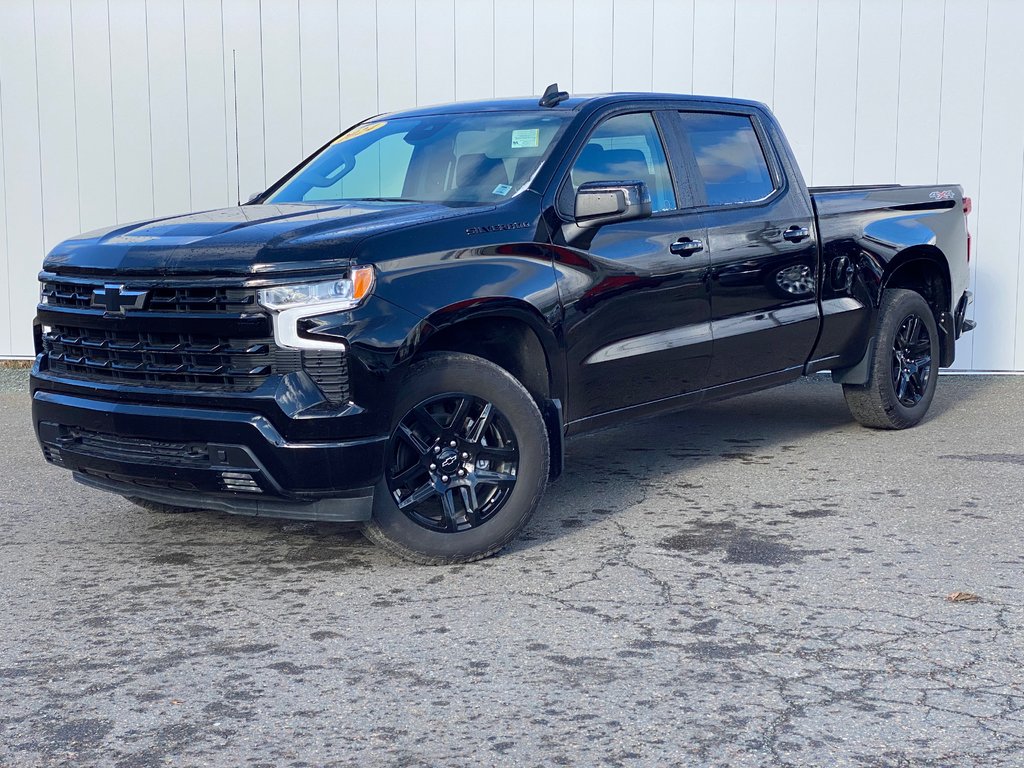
[796, 233]
[684, 246]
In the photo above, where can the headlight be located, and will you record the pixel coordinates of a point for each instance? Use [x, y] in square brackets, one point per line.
[292, 303]
[340, 294]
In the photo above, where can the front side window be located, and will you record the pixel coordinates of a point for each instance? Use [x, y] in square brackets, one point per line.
[472, 159]
[626, 148]
[729, 157]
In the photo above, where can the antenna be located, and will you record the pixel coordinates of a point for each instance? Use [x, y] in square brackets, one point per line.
[552, 96]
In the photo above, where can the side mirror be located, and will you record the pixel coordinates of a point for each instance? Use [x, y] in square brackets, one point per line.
[605, 202]
[252, 197]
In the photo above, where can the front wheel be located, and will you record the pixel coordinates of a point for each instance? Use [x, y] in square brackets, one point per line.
[466, 463]
[904, 367]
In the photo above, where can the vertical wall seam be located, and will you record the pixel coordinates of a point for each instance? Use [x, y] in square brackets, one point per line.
[775, 50]
[775, 63]
[337, 34]
[302, 101]
[942, 67]
[494, 69]
[972, 267]
[377, 56]
[234, 95]
[188, 124]
[814, 95]
[376, 52]
[455, 49]
[1020, 250]
[732, 85]
[148, 102]
[263, 97]
[977, 237]
[7, 225]
[693, 33]
[572, 46]
[654, 6]
[227, 120]
[74, 114]
[1020, 234]
[856, 93]
[899, 94]
[415, 53]
[39, 140]
[113, 132]
[814, 85]
[612, 37]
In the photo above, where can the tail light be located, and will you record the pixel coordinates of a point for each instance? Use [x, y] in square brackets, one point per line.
[968, 207]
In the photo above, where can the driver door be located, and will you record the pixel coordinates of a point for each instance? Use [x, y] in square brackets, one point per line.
[637, 307]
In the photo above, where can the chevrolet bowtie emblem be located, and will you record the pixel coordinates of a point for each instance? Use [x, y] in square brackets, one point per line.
[116, 298]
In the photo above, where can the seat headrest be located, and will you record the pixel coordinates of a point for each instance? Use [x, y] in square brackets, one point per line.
[479, 170]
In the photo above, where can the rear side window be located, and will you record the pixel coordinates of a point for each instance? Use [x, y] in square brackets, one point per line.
[729, 156]
[627, 147]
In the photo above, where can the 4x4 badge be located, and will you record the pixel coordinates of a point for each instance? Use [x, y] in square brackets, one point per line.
[116, 298]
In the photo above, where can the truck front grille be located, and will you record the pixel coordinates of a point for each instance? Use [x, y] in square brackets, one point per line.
[78, 294]
[136, 450]
[165, 359]
[160, 333]
[329, 369]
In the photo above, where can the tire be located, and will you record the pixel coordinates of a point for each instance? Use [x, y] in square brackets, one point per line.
[156, 506]
[466, 502]
[904, 367]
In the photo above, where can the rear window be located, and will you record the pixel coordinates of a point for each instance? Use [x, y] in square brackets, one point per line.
[729, 156]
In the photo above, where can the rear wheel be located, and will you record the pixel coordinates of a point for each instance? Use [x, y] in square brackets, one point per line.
[904, 367]
[466, 463]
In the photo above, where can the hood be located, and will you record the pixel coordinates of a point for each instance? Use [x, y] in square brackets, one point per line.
[245, 240]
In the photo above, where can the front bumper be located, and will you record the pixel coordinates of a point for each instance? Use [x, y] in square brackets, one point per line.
[231, 460]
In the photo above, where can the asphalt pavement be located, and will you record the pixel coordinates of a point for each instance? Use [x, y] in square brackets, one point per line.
[759, 582]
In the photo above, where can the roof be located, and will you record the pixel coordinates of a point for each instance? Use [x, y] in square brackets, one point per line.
[573, 104]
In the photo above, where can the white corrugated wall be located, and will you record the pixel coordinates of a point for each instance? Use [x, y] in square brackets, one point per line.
[116, 110]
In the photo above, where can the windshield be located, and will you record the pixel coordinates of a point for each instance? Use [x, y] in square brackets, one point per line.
[478, 158]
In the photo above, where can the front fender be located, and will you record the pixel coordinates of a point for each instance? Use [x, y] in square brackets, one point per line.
[515, 281]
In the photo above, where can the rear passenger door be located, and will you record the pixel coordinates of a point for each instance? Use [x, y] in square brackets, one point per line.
[761, 242]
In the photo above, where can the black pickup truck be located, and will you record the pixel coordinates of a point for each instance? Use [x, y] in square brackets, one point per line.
[405, 329]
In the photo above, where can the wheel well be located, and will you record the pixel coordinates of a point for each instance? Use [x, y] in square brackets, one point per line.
[924, 270]
[514, 346]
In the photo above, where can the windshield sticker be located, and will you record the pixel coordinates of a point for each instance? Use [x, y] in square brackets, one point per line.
[502, 189]
[359, 130]
[523, 138]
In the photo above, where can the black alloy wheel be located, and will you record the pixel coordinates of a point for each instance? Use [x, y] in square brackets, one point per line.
[466, 462]
[453, 462]
[911, 361]
[903, 359]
